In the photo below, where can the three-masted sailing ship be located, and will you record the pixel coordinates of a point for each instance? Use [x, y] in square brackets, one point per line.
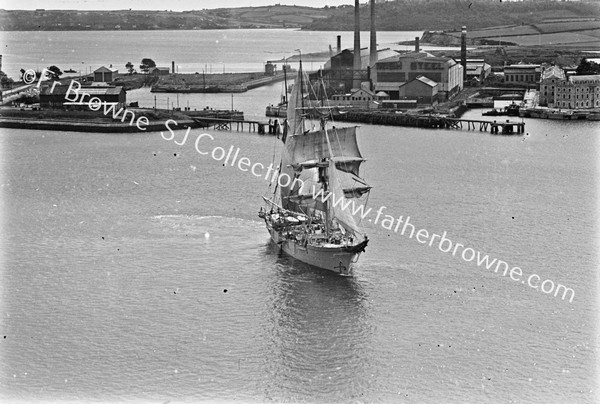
[310, 215]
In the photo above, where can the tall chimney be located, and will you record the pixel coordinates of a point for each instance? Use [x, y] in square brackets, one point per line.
[463, 51]
[373, 44]
[416, 44]
[339, 43]
[357, 64]
[172, 66]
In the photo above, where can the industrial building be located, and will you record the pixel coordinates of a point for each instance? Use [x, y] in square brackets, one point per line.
[56, 98]
[578, 92]
[338, 72]
[421, 89]
[159, 71]
[393, 72]
[477, 71]
[551, 77]
[105, 74]
[523, 75]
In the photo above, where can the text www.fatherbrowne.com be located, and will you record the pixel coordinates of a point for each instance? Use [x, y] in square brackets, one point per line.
[445, 245]
[388, 222]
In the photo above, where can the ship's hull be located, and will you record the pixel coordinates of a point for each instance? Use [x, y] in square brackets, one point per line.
[334, 259]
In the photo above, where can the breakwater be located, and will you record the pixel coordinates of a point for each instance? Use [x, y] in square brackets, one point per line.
[215, 83]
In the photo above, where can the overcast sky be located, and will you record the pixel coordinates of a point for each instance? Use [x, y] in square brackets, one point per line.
[175, 5]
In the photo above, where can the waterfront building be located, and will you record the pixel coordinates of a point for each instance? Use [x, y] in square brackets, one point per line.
[578, 92]
[56, 98]
[523, 75]
[361, 98]
[477, 71]
[421, 89]
[105, 74]
[551, 77]
[393, 72]
[338, 71]
[159, 71]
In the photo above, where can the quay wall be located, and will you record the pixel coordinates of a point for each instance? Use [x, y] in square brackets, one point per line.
[79, 126]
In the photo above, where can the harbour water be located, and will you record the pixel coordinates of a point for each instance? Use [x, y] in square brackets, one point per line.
[135, 269]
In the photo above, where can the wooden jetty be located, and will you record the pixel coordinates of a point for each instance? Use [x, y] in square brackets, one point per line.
[420, 121]
[431, 121]
[241, 125]
[497, 128]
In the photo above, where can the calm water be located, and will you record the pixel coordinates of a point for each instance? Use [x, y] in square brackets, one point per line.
[214, 51]
[135, 269]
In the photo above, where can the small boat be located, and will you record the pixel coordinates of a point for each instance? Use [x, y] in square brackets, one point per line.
[280, 110]
[560, 115]
[510, 110]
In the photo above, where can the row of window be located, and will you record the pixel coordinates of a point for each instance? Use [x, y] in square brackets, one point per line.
[586, 104]
[530, 78]
[586, 90]
[566, 97]
[401, 77]
[413, 66]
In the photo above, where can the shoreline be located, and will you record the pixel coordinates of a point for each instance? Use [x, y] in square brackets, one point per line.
[86, 126]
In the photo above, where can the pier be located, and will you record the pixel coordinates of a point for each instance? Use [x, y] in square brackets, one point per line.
[432, 122]
[419, 121]
[241, 125]
[504, 128]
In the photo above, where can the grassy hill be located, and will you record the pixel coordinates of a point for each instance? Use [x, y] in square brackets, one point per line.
[416, 15]
[248, 17]
[393, 15]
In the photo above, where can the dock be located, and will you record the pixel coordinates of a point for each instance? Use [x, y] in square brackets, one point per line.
[432, 122]
[241, 125]
[502, 128]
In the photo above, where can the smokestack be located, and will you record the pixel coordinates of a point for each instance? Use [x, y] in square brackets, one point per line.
[373, 44]
[463, 51]
[339, 43]
[416, 44]
[172, 66]
[357, 64]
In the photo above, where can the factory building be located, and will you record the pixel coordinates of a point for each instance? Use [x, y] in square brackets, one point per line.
[56, 98]
[551, 77]
[523, 75]
[392, 72]
[578, 92]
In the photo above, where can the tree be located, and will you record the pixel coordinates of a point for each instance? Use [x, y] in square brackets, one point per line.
[5, 81]
[587, 68]
[54, 72]
[130, 68]
[147, 64]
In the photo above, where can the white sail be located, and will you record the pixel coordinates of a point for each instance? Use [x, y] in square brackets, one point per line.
[294, 110]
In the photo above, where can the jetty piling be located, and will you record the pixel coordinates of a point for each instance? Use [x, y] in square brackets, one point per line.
[241, 125]
[432, 121]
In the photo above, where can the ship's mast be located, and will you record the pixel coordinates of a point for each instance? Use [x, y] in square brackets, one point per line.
[285, 82]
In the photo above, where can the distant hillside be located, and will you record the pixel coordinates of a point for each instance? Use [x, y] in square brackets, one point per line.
[250, 17]
[392, 15]
[417, 15]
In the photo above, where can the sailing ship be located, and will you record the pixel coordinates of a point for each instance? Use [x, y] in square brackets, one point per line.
[310, 214]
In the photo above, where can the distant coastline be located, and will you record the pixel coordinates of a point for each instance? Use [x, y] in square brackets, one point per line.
[405, 15]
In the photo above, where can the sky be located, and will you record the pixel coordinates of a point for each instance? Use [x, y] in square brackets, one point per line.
[175, 5]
